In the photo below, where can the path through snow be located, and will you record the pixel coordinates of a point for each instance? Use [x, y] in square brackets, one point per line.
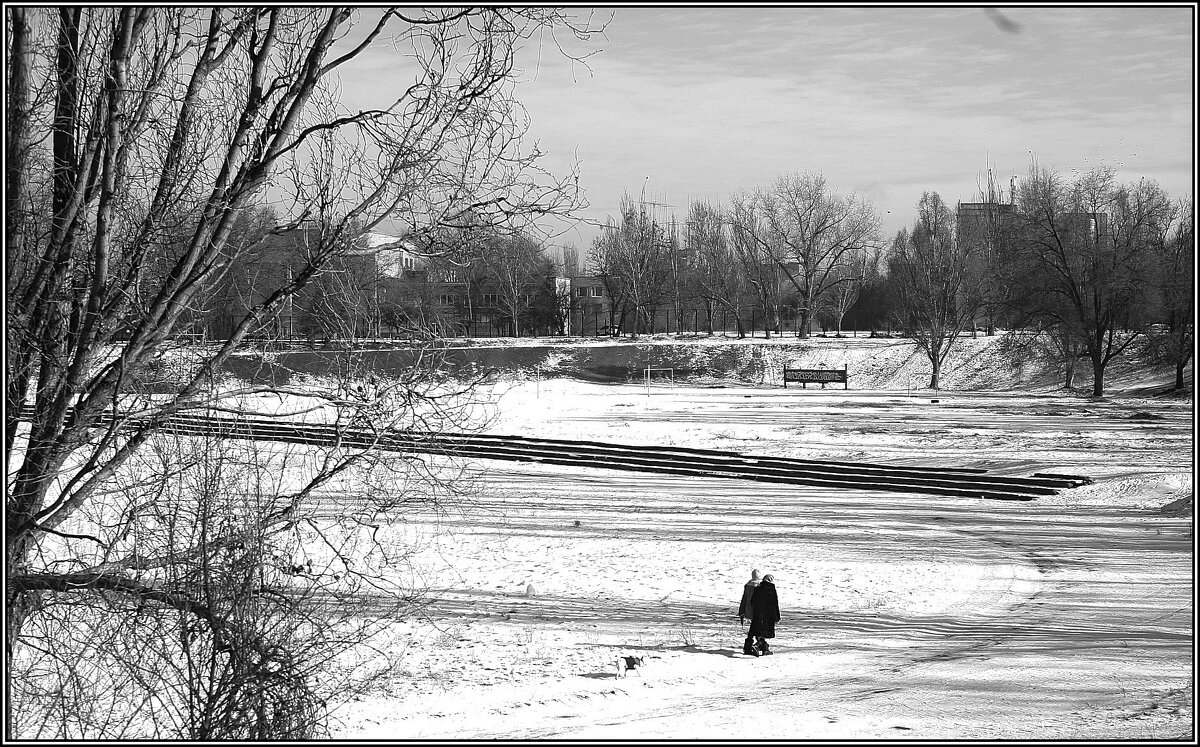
[904, 616]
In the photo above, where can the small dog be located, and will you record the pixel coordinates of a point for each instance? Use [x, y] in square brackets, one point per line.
[627, 664]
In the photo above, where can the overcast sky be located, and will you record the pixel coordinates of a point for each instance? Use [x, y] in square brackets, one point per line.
[704, 102]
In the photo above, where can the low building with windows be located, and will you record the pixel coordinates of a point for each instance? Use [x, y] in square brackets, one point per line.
[589, 310]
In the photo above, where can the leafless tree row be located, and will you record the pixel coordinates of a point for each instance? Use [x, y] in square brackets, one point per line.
[1102, 265]
[1095, 267]
[796, 249]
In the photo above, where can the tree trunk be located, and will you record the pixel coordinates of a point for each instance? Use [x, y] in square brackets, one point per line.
[17, 131]
[1070, 379]
[17, 609]
[1183, 353]
[803, 324]
[1098, 376]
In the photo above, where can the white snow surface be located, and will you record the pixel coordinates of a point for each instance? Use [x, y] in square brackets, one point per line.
[904, 616]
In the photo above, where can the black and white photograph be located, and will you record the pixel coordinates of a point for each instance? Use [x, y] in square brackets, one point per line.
[629, 373]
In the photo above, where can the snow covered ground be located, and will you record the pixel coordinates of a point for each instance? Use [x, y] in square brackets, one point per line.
[904, 616]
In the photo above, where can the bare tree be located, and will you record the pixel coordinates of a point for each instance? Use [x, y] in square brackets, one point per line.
[1174, 338]
[160, 125]
[757, 261]
[570, 266]
[1087, 247]
[937, 284]
[806, 229]
[852, 271]
[515, 266]
[208, 589]
[612, 280]
[635, 261]
[991, 226]
[714, 272]
[1061, 342]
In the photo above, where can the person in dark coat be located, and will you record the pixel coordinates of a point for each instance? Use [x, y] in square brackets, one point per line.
[765, 604]
[746, 610]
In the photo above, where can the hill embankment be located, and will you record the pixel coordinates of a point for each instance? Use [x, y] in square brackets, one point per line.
[998, 363]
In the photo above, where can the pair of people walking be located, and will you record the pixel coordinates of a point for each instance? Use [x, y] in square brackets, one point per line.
[760, 605]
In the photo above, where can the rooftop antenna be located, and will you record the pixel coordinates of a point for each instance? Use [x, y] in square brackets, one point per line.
[989, 196]
[651, 203]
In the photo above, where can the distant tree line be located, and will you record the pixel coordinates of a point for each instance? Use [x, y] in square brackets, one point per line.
[454, 281]
[797, 251]
[1092, 264]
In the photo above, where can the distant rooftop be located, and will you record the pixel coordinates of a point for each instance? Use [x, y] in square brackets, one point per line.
[376, 240]
[985, 205]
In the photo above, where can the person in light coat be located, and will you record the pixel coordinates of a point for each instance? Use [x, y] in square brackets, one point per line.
[746, 611]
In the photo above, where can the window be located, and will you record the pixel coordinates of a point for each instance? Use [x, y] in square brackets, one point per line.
[447, 300]
[581, 292]
[490, 299]
[597, 291]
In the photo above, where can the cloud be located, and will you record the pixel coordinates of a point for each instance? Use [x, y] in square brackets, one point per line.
[887, 101]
